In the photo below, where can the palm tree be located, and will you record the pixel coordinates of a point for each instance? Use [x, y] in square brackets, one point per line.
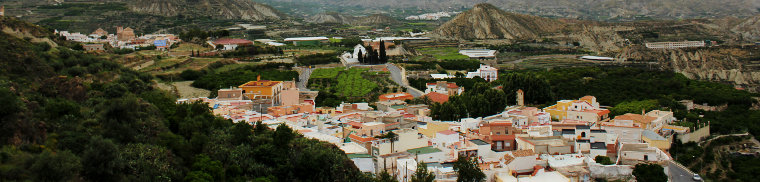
[390, 135]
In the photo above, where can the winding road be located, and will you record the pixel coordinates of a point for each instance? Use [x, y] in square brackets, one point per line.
[399, 78]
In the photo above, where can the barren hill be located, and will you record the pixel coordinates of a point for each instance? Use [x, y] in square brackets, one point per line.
[220, 9]
[485, 21]
[330, 17]
[749, 29]
[376, 19]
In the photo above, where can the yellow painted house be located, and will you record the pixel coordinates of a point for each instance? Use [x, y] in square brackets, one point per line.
[262, 89]
[583, 109]
[432, 128]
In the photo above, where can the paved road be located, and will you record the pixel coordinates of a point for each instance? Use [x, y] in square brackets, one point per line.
[398, 78]
[305, 78]
[679, 174]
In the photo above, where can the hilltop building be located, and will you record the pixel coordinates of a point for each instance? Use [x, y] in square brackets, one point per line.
[486, 72]
[99, 32]
[124, 34]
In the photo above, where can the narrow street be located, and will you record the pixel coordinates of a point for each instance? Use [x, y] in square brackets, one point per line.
[302, 85]
[398, 78]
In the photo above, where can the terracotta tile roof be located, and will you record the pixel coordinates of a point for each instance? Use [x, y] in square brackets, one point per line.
[452, 85]
[519, 91]
[598, 112]
[438, 97]
[636, 117]
[588, 97]
[355, 124]
[233, 41]
[361, 139]
[523, 153]
[508, 159]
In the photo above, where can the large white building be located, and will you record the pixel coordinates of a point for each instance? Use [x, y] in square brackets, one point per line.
[486, 72]
[674, 45]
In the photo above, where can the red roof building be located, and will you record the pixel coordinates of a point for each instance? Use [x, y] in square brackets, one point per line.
[233, 41]
[438, 97]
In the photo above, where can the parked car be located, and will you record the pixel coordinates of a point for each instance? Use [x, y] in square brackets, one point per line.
[697, 178]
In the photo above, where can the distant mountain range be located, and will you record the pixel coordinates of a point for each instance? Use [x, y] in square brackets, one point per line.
[588, 9]
[219, 9]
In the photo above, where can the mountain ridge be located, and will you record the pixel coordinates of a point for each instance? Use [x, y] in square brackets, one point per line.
[486, 21]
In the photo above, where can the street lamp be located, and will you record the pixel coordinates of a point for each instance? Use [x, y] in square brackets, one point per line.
[700, 164]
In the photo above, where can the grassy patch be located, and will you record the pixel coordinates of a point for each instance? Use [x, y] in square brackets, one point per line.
[327, 72]
[185, 47]
[443, 53]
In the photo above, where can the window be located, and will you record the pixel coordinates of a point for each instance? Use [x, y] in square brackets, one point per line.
[498, 133]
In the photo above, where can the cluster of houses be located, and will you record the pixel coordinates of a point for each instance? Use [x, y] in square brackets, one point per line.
[124, 38]
[520, 144]
[432, 16]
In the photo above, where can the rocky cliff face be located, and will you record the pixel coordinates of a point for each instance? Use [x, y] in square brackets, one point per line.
[330, 17]
[485, 21]
[749, 29]
[220, 9]
[735, 65]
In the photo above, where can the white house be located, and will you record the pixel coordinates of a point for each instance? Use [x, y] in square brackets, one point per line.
[486, 72]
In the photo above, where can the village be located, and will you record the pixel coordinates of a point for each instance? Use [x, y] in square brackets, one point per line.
[521, 143]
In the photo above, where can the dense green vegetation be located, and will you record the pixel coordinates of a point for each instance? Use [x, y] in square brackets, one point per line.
[116, 127]
[352, 84]
[529, 50]
[245, 74]
[480, 101]
[649, 172]
[327, 72]
[319, 58]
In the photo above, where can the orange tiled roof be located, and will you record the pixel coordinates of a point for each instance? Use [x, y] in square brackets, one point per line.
[361, 139]
[438, 97]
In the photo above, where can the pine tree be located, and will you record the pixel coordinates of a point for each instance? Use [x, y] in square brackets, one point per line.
[382, 55]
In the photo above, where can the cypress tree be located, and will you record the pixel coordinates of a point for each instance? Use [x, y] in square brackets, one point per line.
[375, 57]
[361, 57]
[383, 56]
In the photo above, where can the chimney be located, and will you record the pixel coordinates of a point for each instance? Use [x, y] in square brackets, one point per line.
[643, 113]
[258, 78]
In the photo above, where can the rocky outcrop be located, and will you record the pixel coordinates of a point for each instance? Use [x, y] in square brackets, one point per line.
[485, 21]
[220, 9]
[726, 64]
[330, 17]
[749, 29]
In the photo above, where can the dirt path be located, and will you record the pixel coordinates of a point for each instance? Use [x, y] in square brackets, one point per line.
[185, 90]
[144, 65]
